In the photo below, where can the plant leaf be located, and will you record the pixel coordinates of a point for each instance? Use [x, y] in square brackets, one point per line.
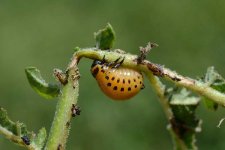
[76, 49]
[40, 139]
[184, 125]
[44, 89]
[105, 38]
[17, 132]
[15, 128]
[216, 81]
[210, 104]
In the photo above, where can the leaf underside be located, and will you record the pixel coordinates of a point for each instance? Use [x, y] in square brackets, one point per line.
[16, 130]
[44, 89]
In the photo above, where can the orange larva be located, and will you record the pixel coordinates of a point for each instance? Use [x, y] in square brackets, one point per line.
[115, 81]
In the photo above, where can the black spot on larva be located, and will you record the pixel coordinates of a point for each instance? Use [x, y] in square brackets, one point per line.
[122, 89]
[123, 80]
[138, 77]
[140, 82]
[103, 71]
[129, 81]
[107, 77]
[115, 88]
[113, 78]
[95, 72]
[118, 80]
[108, 84]
[134, 80]
[135, 86]
[129, 89]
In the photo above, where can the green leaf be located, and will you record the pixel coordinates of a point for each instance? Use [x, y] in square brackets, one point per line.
[210, 104]
[216, 81]
[105, 38]
[184, 124]
[76, 49]
[44, 89]
[40, 139]
[17, 132]
[15, 128]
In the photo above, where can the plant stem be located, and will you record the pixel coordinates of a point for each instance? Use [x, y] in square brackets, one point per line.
[16, 139]
[158, 70]
[160, 91]
[62, 120]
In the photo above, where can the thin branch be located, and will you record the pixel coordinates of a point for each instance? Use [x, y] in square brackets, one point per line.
[164, 101]
[158, 70]
[160, 91]
[16, 139]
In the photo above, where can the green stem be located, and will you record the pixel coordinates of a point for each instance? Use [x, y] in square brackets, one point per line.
[147, 66]
[62, 120]
[16, 139]
[160, 91]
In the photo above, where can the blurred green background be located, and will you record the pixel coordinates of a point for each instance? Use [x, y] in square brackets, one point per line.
[191, 37]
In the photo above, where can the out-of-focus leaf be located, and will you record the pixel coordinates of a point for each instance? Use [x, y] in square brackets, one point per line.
[16, 128]
[210, 104]
[44, 89]
[219, 85]
[76, 49]
[105, 38]
[184, 125]
[9, 127]
[18, 133]
[216, 81]
[40, 139]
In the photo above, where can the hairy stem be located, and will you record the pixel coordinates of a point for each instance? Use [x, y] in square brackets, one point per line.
[160, 91]
[62, 120]
[147, 66]
[16, 139]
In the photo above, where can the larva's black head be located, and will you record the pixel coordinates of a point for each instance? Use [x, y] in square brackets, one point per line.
[96, 62]
[96, 66]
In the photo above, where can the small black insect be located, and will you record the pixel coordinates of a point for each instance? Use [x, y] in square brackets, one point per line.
[26, 140]
[75, 110]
